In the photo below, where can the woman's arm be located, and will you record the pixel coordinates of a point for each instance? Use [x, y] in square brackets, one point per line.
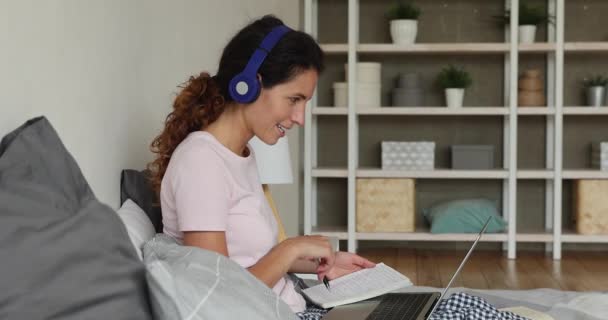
[277, 262]
[304, 265]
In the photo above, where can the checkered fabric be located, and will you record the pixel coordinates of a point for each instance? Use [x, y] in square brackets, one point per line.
[461, 306]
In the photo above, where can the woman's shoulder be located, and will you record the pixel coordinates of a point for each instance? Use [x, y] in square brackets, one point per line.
[197, 149]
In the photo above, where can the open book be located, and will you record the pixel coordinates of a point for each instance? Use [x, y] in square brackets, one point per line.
[358, 286]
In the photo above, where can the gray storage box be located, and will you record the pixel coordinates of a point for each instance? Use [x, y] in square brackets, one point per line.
[473, 157]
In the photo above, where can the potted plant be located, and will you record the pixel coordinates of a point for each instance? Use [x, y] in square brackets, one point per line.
[529, 18]
[596, 90]
[454, 81]
[403, 22]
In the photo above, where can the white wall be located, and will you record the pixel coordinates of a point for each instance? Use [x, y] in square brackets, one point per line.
[104, 72]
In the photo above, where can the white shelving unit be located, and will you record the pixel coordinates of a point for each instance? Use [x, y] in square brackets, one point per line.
[554, 174]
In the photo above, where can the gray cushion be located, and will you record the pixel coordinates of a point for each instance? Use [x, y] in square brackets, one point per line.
[192, 283]
[64, 255]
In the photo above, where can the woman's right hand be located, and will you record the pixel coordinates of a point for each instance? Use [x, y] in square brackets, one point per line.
[313, 248]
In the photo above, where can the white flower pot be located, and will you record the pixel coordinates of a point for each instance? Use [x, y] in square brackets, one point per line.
[527, 34]
[454, 97]
[404, 31]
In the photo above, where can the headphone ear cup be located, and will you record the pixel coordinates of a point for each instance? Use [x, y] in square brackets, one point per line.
[243, 88]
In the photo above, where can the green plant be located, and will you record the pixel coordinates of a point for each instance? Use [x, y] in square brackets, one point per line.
[452, 77]
[595, 81]
[528, 15]
[403, 11]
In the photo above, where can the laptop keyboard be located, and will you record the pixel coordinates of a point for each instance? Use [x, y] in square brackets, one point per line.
[399, 306]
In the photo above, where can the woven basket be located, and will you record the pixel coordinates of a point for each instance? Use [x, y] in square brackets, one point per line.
[591, 206]
[385, 205]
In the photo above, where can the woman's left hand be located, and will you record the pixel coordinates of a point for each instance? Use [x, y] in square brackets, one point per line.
[345, 263]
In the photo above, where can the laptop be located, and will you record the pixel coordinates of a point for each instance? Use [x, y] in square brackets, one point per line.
[398, 306]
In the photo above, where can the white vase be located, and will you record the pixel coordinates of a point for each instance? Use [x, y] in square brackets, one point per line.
[454, 97]
[404, 31]
[527, 34]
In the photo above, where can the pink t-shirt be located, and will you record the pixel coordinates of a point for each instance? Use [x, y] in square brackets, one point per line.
[207, 187]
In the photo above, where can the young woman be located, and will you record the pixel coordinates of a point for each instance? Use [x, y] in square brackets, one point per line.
[206, 174]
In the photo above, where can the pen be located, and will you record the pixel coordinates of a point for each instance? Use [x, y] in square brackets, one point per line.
[325, 279]
[326, 282]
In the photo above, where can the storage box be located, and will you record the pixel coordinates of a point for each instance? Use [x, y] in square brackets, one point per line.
[591, 206]
[599, 155]
[385, 205]
[472, 157]
[368, 95]
[367, 72]
[398, 155]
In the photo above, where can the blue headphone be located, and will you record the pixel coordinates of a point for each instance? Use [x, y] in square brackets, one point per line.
[245, 86]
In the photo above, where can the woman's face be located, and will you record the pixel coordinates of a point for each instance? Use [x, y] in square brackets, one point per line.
[278, 109]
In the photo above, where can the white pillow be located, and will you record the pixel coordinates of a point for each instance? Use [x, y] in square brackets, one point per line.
[138, 225]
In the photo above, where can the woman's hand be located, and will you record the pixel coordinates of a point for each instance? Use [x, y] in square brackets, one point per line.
[345, 263]
[313, 248]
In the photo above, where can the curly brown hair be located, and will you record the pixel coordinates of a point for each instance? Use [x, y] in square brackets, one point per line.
[196, 106]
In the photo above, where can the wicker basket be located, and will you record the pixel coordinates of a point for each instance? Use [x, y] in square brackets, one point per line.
[591, 206]
[385, 205]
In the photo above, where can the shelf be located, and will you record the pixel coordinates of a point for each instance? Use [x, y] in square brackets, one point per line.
[585, 110]
[330, 173]
[464, 48]
[539, 47]
[338, 232]
[534, 174]
[585, 174]
[570, 236]
[330, 110]
[439, 48]
[525, 236]
[435, 111]
[425, 235]
[586, 46]
[433, 174]
[457, 174]
[531, 111]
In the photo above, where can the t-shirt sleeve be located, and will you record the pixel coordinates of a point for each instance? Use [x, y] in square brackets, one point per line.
[202, 193]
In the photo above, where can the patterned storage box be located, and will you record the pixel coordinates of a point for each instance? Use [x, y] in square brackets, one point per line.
[599, 155]
[385, 205]
[408, 155]
[591, 206]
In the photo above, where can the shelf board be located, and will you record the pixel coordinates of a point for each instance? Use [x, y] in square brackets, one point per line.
[529, 111]
[338, 232]
[585, 110]
[330, 110]
[434, 111]
[570, 236]
[423, 234]
[333, 172]
[330, 48]
[535, 174]
[433, 174]
[585, 174]
[586, 46]
[539, 47]
[464, 48]
[461, 48]
[528, 236]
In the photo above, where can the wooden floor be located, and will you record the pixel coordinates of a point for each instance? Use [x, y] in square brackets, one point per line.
[580, 271]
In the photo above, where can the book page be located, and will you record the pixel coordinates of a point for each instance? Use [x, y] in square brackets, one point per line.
[357, 286]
